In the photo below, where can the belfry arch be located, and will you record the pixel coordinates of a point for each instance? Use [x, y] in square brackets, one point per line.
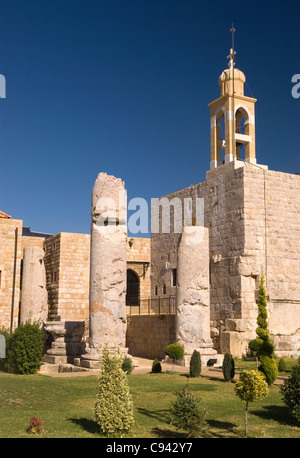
[242, 137]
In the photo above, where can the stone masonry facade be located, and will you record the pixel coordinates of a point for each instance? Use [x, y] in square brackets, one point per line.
[253, 219]
[67, 265]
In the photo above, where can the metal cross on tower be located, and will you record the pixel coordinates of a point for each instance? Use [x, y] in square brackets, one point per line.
[232, 51]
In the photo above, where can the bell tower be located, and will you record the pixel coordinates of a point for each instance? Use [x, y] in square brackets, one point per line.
[232, 119]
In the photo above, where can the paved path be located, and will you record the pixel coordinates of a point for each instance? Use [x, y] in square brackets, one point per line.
[145, 366]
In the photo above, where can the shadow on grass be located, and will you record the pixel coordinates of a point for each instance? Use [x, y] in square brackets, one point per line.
[198, 386]
[276, 413]
[88, 425]
[225, 429]
[213, 428]
[160, 415]
[167, 433]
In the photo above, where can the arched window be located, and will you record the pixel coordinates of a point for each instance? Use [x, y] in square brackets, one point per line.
[220, 125]
[133, 288]
[242, 130]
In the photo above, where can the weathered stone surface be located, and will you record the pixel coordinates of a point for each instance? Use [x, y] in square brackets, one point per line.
[193, 302]
[253, 219]
[67, 341]
[34, 293]
[107, 308]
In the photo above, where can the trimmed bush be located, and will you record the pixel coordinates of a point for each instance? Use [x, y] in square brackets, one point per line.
[127, 365]
[156, 366]
[228, 367]
[269, 368]
[262, 347]
[195, 364]
[113, 408]
[251, 387]
[25, 349]
[291, 393]
[175, 352]
[282, 366]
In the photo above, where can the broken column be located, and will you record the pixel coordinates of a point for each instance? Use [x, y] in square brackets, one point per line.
[193, 294]
[34, 294]
[107, 308]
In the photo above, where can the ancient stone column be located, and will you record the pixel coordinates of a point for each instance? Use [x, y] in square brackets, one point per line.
[34, 294]
[107, 314]
[193, 295]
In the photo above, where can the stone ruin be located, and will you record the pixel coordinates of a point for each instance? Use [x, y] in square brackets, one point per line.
[193, 295]
[34, 292]
[108, 268]
[107, 307]
[107, 312]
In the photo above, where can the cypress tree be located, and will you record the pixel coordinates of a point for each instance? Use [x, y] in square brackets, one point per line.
[195, 364]
[228, 367]
[262, 346]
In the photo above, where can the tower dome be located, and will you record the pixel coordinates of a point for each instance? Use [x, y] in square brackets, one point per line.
[229, 79]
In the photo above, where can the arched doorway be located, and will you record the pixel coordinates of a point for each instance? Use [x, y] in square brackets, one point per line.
[133, 288]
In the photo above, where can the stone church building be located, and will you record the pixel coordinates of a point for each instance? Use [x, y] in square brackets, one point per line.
[203, 294]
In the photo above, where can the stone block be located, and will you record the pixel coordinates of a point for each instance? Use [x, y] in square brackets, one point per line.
[235, 324]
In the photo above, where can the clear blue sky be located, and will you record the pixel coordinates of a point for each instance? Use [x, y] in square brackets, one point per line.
[122, 87]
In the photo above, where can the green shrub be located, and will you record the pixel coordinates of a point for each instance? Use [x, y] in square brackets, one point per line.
[113, 408]
[262, 347]
[282, 366]
[269, 368]
[228, 367]
[175, 352]
[127, 365]
[187, 414]
[291, 393]
[195, 364]
[25, 349]
[156, 366]
[251, 387]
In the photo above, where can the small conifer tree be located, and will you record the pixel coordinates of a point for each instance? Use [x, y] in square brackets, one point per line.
[228, 367]
[291, 393]
[113, 408]
[187, 414]
[282, 367]
[156, 366]
[195, 364]
[127, 365]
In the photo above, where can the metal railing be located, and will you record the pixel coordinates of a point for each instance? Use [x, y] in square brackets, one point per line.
[157, 305]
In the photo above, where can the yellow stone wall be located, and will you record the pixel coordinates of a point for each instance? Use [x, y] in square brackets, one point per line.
[148, 335]
[7, 254]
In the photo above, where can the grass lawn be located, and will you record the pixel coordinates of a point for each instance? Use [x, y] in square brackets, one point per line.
[65, 407]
